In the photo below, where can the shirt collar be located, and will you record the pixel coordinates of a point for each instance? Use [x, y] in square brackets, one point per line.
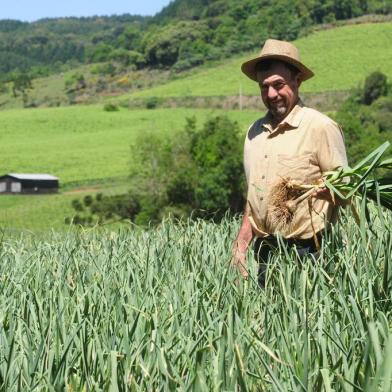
[292, 120]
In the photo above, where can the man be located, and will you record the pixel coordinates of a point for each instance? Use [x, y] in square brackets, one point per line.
[291, 143]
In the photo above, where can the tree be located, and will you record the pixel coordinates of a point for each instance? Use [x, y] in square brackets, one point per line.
[75, 82]
[375, 86]
[162, 46]
[366, 125]
[216, 153]
[196, 172]
[21, 82]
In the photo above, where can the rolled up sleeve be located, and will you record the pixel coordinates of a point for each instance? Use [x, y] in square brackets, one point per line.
[331, 151]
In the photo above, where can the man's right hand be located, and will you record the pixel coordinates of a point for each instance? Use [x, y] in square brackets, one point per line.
[241, 244]
[238, 261]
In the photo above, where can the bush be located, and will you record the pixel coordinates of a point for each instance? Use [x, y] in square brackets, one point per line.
[216, 153]
[195, 172]
[366, 126]
[152, 102]
[75, 82]
[88, 200]
[104, 69]
[111, 107]
[92, 211]
[77, 205]
[375, 87]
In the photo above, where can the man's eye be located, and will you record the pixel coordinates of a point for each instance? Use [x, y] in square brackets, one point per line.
[278, 86]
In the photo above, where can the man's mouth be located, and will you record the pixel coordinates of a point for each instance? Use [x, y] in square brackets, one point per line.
[276, 104]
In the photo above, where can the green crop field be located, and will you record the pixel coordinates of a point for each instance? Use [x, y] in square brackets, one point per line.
[81, 145]
[341, 58]
[159, 310]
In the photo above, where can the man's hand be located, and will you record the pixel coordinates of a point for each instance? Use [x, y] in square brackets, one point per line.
[325, 194]
[238, 261]
[241, 244]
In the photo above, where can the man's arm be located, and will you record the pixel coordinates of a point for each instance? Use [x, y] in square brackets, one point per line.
[241, 244]
[331, 155]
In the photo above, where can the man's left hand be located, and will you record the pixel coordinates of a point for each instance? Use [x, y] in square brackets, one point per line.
[325, 194]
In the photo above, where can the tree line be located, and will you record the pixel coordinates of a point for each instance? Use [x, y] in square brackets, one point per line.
[184, 34]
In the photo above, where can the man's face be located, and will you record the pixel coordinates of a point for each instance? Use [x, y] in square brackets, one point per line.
[279, 90]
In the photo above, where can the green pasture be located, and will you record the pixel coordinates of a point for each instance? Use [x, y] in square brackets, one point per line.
[341, 59]
[46, 91]
[83, 146]
[85, 143]
[125, 310]
[41, 213]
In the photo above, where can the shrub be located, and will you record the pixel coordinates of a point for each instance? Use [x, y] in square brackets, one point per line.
[195, 172]
[366, 126]
[152, 102]
[75, 82]
[77, 205]
[111, 107]
[88, 200]
[375, 87]
[104, 69]
[216, 153]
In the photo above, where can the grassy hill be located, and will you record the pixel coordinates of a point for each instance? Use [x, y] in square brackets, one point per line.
[84, 143]
[85, 147]
[341, 58]
[184, 34]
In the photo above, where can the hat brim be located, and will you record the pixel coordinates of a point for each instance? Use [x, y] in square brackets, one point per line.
[249, 67]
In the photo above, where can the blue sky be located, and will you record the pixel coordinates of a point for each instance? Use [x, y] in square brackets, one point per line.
[30, 10]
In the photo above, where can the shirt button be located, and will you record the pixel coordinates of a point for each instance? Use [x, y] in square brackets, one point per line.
[265, 156]
[261, 198]
[262, 177]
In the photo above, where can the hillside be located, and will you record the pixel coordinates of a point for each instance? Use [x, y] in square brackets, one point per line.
[341, 58]
[183, 35]
[85, 144]
[76, 143]
[86, 147]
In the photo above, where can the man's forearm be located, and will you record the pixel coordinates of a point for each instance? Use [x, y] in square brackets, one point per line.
[245, 235]
[241, 244]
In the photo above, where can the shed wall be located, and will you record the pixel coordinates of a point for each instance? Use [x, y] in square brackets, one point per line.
[16, 186]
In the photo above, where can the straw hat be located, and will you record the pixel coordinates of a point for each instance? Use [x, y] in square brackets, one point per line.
[279, 50]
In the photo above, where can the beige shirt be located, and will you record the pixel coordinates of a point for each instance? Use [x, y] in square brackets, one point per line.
[302, 147]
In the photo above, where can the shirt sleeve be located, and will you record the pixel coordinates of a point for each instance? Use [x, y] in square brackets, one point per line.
[247, 154]
[331, 151]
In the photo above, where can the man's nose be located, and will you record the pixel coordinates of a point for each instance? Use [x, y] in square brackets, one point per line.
[272, 93]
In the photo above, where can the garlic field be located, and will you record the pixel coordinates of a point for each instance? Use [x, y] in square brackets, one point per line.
[160, 310]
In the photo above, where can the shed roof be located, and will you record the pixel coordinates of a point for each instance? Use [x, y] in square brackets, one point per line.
[29, 176]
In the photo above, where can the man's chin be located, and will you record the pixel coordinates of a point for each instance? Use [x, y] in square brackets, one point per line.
[279, 112]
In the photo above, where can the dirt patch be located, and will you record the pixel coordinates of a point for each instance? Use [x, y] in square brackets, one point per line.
[77, 191]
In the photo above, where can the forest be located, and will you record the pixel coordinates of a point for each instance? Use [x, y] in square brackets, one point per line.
[184, 34]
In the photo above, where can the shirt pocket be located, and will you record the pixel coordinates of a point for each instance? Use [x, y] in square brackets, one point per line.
[301, 167]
